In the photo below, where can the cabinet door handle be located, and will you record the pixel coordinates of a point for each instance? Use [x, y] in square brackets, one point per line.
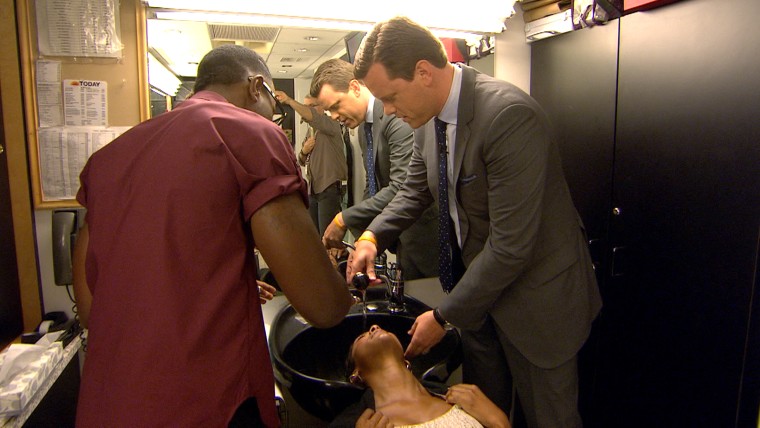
[619, 261]
[2, 149]
[595, 250]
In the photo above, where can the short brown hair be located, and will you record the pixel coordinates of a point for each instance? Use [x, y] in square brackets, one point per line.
[334, 72]
[398, 44]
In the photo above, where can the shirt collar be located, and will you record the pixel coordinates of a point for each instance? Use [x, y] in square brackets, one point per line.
[370, 109]
[449, 112]
[208, 96]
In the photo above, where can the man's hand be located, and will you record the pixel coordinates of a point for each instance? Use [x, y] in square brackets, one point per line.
[473, 401]
[363, 260]
[426, 333]
[308, 145]
[282, 97]
[372, 419]
[335, 254]
[266, 291]
[334, 234]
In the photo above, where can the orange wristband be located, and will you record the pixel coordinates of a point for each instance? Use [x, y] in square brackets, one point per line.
[368, 236]
[338, 222]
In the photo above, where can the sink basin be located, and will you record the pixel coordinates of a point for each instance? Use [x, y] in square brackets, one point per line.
[311, 363]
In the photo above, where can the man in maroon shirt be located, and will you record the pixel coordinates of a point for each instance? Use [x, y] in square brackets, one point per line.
[165, 273]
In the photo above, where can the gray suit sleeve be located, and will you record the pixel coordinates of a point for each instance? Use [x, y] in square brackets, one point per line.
[409, 202]
[399, 137]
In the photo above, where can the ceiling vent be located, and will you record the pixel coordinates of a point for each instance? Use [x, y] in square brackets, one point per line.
[243, 32]
[289, 59]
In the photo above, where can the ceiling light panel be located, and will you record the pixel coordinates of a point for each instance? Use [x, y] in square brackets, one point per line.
[180, 43]
[487, 17]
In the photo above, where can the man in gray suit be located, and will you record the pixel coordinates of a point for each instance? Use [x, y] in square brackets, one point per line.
[351, 103]
[528, 295]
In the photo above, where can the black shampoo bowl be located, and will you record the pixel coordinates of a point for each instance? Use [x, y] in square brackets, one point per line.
[311, 362]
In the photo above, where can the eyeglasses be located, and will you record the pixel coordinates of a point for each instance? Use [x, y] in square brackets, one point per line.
[278, 105]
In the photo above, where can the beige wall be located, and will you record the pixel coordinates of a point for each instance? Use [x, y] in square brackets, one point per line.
[127, 95]
[512, 53]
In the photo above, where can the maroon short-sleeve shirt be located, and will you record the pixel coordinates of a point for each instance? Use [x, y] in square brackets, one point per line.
[176, 336]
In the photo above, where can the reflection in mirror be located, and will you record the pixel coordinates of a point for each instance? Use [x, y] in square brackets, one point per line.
[290, 53]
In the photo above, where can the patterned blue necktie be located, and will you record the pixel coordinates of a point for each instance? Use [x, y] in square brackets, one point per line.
[444, 228]
[370, 166]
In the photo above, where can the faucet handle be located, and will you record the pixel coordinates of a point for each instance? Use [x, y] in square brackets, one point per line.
[360, 281]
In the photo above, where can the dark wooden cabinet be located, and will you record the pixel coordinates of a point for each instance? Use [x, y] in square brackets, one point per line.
[663, 159]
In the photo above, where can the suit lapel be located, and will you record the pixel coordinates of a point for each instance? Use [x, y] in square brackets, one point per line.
[464, 118]
[378, 124]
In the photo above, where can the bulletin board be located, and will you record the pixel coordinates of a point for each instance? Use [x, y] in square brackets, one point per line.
[84, 72]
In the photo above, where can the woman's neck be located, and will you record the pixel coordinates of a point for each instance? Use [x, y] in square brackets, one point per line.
[398, 384]
[403, 399]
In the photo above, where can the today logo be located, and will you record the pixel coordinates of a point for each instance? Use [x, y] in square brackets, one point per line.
[88, 83]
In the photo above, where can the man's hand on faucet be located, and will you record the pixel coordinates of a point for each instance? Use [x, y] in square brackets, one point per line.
[363, 260]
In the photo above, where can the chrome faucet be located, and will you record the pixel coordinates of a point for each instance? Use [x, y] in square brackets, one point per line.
[394, 281]
[393, 278]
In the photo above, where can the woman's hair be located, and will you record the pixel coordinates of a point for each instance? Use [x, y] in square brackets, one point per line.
[350, 367]
[398, 44]
[228, 64]
[334, 72]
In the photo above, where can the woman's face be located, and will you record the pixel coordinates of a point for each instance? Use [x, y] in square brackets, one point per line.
[375, 343]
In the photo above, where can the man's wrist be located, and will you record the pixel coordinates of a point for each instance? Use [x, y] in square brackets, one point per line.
[442, 321]
[368, 236]
[439, 318]
[338, 220]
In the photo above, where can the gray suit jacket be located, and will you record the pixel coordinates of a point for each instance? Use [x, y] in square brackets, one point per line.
[523, 242]
[392, 147]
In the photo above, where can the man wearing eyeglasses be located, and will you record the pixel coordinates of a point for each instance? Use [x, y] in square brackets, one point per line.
[165, 273]
[323, 155]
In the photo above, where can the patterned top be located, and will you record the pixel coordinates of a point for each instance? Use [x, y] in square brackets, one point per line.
[454, 418]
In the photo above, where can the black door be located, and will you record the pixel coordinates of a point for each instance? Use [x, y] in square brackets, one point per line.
[674, 345]
[687, 175]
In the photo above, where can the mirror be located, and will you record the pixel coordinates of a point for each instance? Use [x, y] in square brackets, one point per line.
[175, 48]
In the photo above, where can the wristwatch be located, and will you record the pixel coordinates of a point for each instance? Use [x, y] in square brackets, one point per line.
[442, 321]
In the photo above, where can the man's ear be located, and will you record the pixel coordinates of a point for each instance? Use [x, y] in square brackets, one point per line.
[355, 87]
[423, 70]
[255, 88]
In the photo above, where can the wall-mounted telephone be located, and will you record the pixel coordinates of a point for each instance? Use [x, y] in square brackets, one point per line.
[66, 224]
